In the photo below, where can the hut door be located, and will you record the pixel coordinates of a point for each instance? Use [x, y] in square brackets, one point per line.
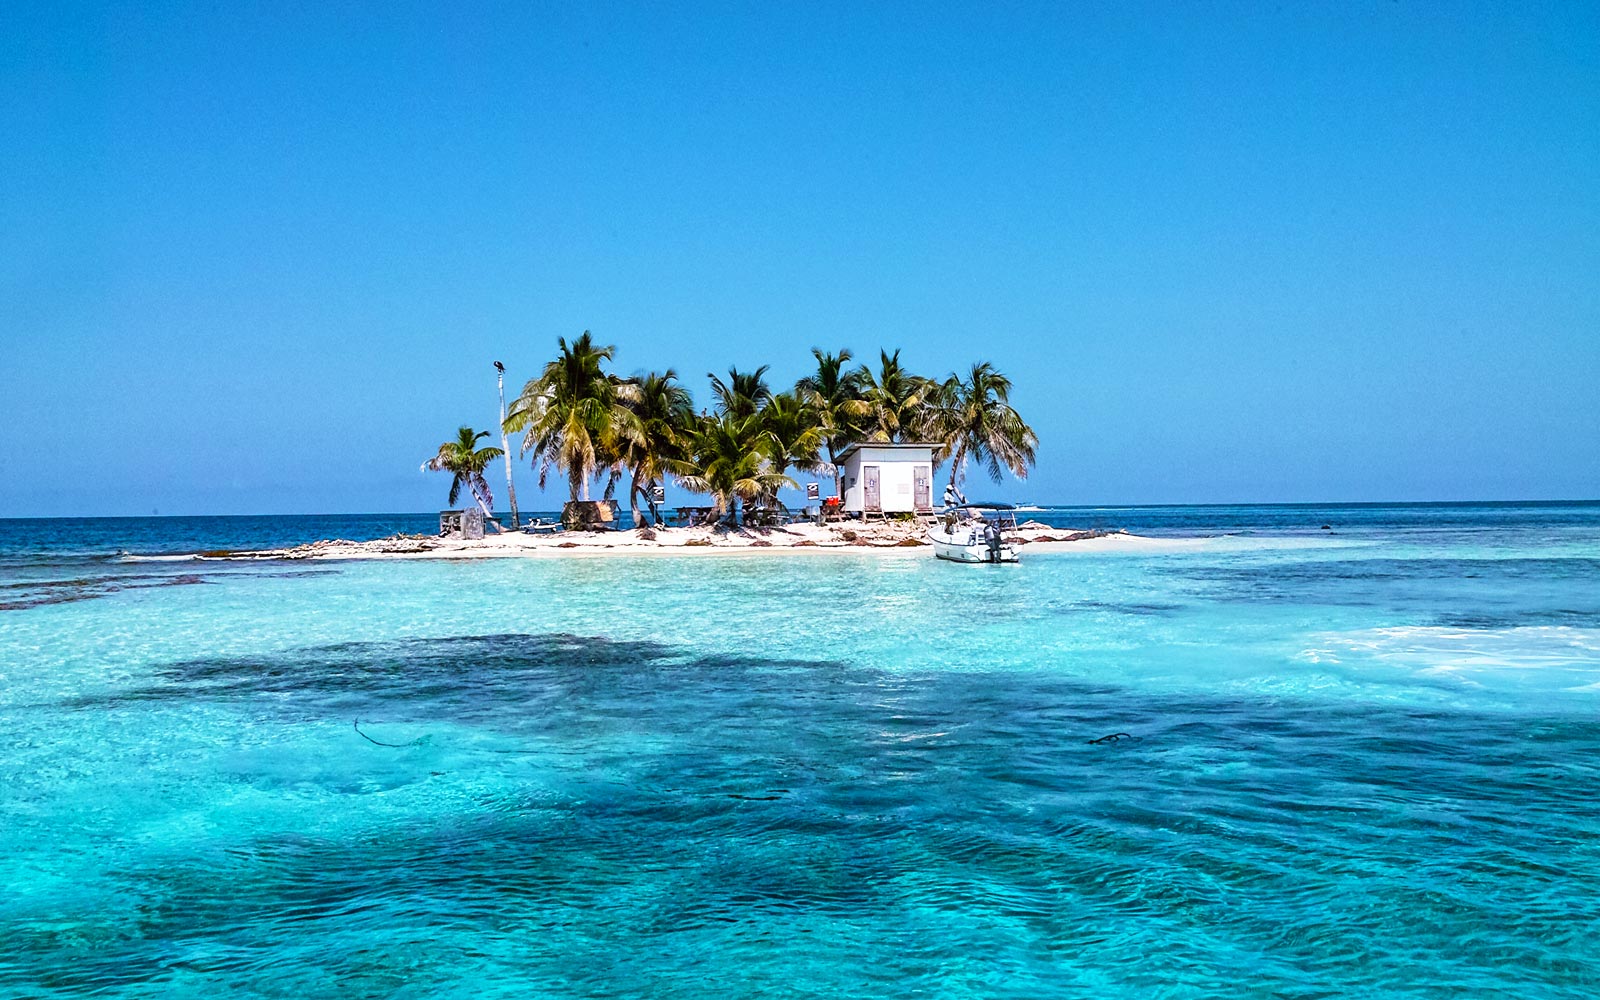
[922, 488]
[872, 497]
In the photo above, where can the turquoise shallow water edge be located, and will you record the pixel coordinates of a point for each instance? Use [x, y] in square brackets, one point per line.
[1359, 762]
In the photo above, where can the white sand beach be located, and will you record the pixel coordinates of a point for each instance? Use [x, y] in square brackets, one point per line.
[797, 539]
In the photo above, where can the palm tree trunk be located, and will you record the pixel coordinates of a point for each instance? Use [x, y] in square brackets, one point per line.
[633, 502]
[488, 515]
[771, 499]
[956, 462]
[838, 474]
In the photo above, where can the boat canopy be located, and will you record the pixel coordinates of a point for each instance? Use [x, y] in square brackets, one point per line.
[983, 506]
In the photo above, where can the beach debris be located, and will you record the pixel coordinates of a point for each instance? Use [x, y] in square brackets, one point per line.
[1072, 536]
[407, 543]
[1111, 738]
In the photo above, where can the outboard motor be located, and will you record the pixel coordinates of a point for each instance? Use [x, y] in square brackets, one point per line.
[991, 534]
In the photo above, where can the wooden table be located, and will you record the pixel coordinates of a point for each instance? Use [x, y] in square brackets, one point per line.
[688, 517]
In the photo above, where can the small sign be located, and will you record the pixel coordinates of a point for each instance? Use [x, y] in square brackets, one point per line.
[658, 493]
[813, 491]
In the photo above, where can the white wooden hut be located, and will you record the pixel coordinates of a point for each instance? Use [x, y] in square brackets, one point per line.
[888, 478]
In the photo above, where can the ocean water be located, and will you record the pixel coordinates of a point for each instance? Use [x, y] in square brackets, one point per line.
[1357, 762]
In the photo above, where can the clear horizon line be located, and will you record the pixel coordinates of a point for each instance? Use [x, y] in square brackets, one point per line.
[1071, 506]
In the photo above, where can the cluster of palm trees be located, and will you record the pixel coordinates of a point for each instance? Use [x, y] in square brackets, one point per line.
[586, 423]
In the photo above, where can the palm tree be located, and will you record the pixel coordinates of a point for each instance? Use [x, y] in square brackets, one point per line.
[658, 439]
[466, 462]
[727, 461]
[897, 400]
[973, 418]
[743, 395]
[834, 394]
[792, 436]
[573, 414]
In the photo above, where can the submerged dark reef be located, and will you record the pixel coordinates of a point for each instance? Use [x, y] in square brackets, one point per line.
[576, 815]
[38, 593]
[20, 595]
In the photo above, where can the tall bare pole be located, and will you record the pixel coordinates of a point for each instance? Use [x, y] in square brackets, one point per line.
[505, 445]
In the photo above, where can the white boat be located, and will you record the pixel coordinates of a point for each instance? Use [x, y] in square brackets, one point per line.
[963, 534]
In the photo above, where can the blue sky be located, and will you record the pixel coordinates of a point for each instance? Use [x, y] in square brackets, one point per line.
[260, 260]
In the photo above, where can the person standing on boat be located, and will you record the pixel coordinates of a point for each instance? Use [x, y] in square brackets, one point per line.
[952, 496]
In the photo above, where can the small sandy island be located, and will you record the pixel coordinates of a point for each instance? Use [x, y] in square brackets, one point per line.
[854, 536]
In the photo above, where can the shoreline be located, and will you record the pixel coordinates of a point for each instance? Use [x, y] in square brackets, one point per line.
[796, 539]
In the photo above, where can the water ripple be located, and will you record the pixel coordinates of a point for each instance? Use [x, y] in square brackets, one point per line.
[594, 816]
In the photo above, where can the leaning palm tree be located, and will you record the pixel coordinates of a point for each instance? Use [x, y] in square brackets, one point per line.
[726, 461]
[572, 415]
[743, 394]
[834, 394]
[792, 436]
[657, 440]
[466, 462]
[897, 400]
[973, 419]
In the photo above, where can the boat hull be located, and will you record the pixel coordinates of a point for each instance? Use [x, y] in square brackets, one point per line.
[958, 549]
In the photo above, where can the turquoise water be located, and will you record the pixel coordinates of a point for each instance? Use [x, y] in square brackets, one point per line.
[1360, 762]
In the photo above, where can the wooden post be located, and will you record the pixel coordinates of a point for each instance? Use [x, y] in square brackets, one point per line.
[505, 445]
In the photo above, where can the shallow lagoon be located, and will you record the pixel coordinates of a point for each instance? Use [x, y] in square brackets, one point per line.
[1359, 762]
